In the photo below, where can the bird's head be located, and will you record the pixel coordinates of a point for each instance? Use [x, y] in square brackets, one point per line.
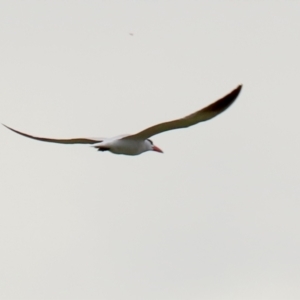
[152, 147]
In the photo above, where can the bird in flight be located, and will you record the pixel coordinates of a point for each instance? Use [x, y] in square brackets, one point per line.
[138, 143]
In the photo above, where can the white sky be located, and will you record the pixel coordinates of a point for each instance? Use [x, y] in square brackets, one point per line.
[216, 216]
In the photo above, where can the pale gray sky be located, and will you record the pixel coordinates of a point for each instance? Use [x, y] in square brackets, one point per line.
[214, 217]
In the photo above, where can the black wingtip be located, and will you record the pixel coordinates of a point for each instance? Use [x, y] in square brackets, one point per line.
[236, 91]
[7, 127]
[14, 130]
[223, 103]
[239, 88]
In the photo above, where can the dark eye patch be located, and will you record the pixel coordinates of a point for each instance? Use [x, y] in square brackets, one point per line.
[150, 141]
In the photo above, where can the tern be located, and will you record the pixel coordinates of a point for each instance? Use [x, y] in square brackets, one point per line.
[138, 143]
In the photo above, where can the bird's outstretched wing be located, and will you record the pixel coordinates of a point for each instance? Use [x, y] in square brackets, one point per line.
[58, 141]
[202, 115]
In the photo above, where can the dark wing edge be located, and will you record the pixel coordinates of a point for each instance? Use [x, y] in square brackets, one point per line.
[58, 141]
[201, 115]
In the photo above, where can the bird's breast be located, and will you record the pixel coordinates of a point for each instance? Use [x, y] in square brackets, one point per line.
[127, 147]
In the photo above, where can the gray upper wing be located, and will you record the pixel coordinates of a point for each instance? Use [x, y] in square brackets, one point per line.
[202, 115]
[58, 141]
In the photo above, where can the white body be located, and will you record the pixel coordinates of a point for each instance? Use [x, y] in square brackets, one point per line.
[118, 145]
